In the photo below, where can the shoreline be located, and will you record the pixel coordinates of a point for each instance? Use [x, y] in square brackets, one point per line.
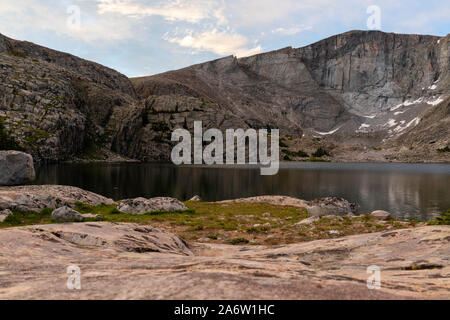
[281, 219]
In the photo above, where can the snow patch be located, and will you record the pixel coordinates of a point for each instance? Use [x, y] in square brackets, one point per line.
[391, 123]
[407, 103]
[363, 127]
[370, 117]
[329, 132]
[399, 112]
[433, 87]
[435, 102]
[402, 128]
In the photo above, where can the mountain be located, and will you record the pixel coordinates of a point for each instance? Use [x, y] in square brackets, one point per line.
[358, 91]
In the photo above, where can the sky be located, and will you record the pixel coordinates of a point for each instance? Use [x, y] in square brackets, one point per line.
[145, 37]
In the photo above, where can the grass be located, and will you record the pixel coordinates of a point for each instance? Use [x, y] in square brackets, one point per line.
[320, 152]
[237, 241]
[283, 144]
[231, 222]
[16, 53]
[26, 218]
[443, 220]
[299, 154]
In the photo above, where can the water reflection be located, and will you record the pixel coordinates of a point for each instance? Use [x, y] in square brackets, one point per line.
[406, 190]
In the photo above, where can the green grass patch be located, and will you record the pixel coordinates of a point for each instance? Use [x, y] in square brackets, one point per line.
[26, 218]
[321, 152]
[443, 220]
[283, 144]
[237, 241]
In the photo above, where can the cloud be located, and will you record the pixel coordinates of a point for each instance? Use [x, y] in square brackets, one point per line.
[192, 11]
[291, 31]
[218, 42]
[210, 30]
[35, 16]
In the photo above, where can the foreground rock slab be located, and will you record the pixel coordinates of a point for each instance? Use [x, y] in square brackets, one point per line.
[36, 198]
[130, 261]
[16, 168]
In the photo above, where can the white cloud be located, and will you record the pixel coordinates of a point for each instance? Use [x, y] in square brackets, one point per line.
[218, 42]
[176, 10]
[35, 16]
[291, 31]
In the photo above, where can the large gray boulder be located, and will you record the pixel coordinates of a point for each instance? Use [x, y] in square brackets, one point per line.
[381, 215]
[16, 168]
[143, 205]
[332, 206]
[66, 214]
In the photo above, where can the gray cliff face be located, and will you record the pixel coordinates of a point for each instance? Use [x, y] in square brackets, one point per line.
[350, 84]
[360, 88]
[53, 104]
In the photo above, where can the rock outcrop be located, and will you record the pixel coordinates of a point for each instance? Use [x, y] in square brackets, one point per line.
[66, 214]
[16, 168]
[4, 214]
[317, 208]
[143, 206]
[332, 206]
[55, 105]
[129, 261]
[36, 198]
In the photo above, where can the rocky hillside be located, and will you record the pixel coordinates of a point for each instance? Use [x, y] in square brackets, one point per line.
[53, 104]
[355, 90]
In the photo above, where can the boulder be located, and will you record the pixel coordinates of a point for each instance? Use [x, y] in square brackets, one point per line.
[66, 214]
[143, 205]
[381, 215]
[332, 206]
[4, 214]
[16, 168]
[307, 221]
[196, 198]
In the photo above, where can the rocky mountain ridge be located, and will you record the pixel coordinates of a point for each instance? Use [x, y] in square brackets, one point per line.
[357, 90]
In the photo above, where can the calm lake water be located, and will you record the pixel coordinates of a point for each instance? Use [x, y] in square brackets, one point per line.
[407, 190]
